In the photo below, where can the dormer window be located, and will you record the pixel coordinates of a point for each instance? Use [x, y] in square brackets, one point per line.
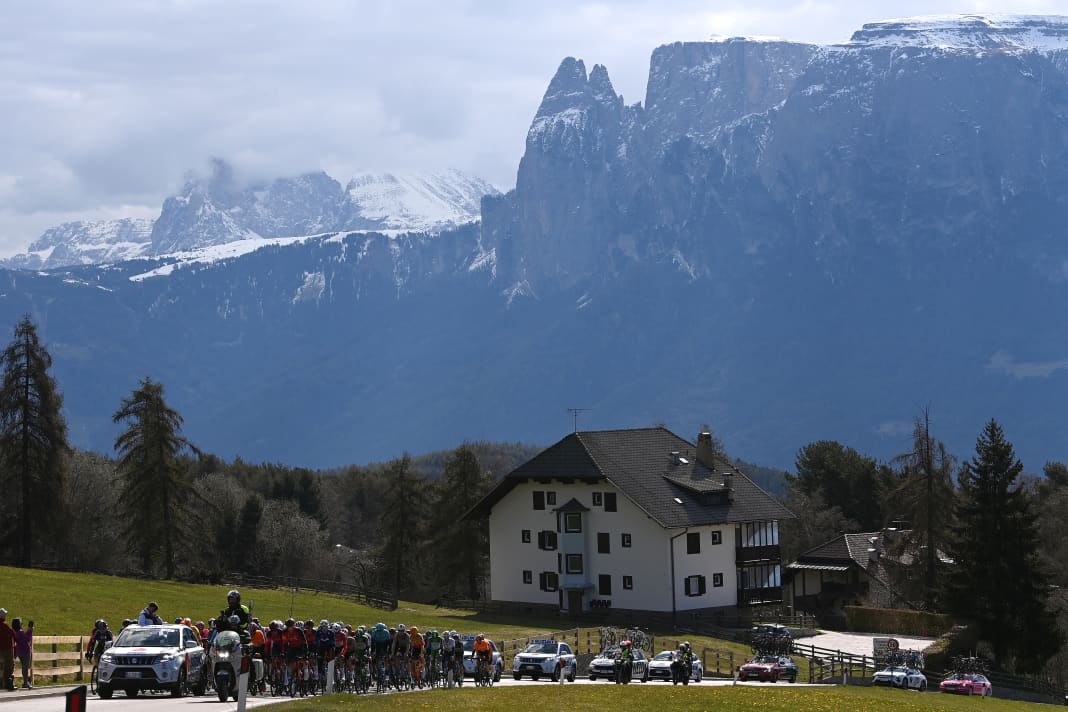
[572, 522]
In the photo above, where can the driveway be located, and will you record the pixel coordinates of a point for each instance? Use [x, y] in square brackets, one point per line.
[860, 643]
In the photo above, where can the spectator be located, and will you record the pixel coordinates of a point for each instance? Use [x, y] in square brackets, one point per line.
[150, 615]
[7, 653]
[24, 651]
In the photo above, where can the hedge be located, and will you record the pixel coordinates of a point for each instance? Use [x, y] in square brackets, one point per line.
[896, 622]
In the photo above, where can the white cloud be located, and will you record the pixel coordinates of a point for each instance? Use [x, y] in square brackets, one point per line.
[1003, 362]
[111, 103]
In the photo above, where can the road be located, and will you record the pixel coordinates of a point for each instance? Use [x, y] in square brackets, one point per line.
[210, 703]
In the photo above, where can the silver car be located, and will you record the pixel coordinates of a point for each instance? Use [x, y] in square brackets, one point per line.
[603, 667]
[153, 657]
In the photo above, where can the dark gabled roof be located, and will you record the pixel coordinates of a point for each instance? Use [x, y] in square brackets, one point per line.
[844, 549]
[572, 505]
[640, 464]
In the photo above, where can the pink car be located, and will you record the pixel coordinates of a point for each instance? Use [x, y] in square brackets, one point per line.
[967, 684]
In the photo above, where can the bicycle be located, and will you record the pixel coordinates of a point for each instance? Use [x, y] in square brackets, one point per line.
[433, 671]
[382, 676]
[92, 679]
[483, 673]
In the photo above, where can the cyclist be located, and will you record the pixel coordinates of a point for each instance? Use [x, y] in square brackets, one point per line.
[293, 640]
[432, 653]
[359, 645]
[400, 650]
[380, 643]
[624, 663]
[416, 664]
[98, 640]
[483, 653]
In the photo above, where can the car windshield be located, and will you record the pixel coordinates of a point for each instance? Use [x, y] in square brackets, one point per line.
[766, 659]
[666, 655]
[547, 648]
[895, 669]
[147, 638]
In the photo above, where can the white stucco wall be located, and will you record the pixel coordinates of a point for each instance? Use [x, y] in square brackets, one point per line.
[647, 561]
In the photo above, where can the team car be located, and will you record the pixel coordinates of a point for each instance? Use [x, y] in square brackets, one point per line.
[603, 667]
[545, 657]
[155, 657]
[902, 677]
[768, 668]
[967, 684]
[469, 659]
[660, 667]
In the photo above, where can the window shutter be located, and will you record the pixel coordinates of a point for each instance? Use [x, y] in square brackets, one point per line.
[700, 585]
[688, 585]
[541, 582]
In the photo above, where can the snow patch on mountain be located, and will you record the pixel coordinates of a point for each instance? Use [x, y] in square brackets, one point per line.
[416, 201]
[994, 32]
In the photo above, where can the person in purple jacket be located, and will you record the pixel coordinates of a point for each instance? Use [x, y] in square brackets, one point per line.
[24, 651]
[7, 653]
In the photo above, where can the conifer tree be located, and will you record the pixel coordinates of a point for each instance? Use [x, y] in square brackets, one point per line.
[924, 485]
[461, 550]
[33, 441]
[155, 489]
[996, 578]
[401, 524]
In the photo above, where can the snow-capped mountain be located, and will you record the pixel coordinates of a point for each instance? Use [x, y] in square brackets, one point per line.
[791, 242]
[85, 243]
[217, 210]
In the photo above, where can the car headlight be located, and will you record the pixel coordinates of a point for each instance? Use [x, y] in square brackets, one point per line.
[222, 656]
[106, 659]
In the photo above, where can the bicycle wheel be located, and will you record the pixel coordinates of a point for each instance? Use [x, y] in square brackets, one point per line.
[92, 680]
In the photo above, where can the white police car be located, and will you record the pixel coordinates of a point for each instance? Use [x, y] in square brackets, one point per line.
[660, 667]
[604, 665]
[545, 657]
[153, 657]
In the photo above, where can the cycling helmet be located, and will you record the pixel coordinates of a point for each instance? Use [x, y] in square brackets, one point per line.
[178, 620]
[234, 620]
[626, 643]
[127, 621]
[290, 622]
[380, 626]
[324, 624]
[235, 594]
[336, 628]
[413, 630]
[186, 621]
[101, 624]
[361, 630]
[481, 637]
[401, 628]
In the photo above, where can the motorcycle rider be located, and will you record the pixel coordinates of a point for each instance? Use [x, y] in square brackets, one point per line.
[234, 607]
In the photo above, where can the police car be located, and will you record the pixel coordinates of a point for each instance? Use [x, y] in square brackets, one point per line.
[901, 677]
[603, 666]
[545, 657]
[156, 657]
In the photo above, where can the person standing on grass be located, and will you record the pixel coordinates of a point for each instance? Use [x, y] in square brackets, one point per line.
[7, 653]
[24, 651]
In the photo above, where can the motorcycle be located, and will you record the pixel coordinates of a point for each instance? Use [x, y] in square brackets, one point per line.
[226, 661]
[622, 669]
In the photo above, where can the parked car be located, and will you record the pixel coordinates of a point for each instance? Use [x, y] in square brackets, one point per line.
[660, 667]
[603, 667]
[901, 677]
[154, 657]
[545, 657]
[967, 684]
[768, 668]
[469, 660]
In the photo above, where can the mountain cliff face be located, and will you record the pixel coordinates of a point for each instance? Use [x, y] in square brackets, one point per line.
[789, 242]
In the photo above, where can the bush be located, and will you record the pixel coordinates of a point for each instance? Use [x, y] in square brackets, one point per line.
[897, 622]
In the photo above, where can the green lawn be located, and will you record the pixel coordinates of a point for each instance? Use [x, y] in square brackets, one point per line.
[662, 698]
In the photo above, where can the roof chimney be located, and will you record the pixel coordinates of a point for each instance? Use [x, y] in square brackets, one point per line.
[706, 452]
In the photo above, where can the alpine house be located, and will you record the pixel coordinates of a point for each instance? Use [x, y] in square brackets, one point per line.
[632, 521]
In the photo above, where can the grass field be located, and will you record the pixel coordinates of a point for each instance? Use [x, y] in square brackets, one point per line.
[662, 698]
[68, 604]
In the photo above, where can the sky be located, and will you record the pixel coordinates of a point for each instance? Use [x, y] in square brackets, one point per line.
[107, 106]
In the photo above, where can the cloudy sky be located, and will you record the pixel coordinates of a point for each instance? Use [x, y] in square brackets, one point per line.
[106, 105]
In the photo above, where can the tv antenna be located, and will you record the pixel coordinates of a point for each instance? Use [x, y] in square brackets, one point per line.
[575, 414]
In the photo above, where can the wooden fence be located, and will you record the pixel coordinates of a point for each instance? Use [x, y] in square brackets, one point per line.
[377, 599]
[58, 656]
